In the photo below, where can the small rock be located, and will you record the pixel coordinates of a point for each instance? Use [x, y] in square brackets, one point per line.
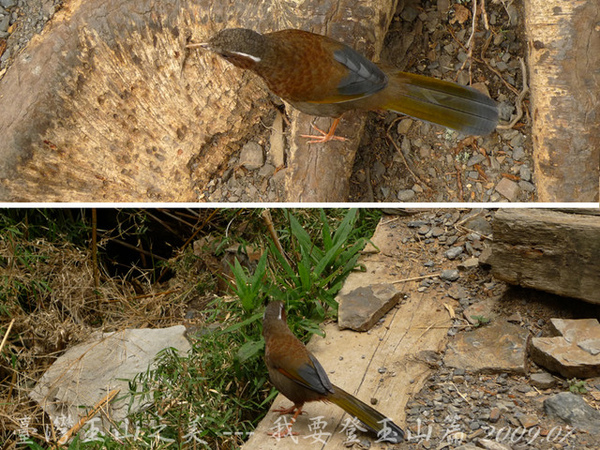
[489, 444]
[526, 186]
[409, 14]
[266, 171]
[404, 126]
[450, 275]
[416, 223]
[542, 380]
[406, 195]
[515, 317]
[479, 224]
[483, 308]
[518, 153]
[453, 252]
[423, 230]
[251, 156]
[525, 173]
[475, 159]
[508, 189]
[495, 414]
[457, 292]
[378, 169]
[468, 264]
[8, 3]
[437, 231]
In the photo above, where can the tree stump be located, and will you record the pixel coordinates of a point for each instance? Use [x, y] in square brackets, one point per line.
[564, 66]
[553, 251]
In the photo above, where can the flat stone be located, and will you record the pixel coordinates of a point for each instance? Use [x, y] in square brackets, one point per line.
[498, 347]
[528, 420]
[87, 372]
[361, 308]
[468, 264]
[508, 189]
[575, 350]
[573, 410]
[542, 380]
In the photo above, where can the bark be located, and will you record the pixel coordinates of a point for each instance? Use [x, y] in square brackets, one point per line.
[553, 251]
[564, 66]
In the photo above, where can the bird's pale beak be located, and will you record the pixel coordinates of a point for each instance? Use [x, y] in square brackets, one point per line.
[203, 45]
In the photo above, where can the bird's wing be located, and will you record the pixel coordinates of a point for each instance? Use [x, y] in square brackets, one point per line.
[310, 375]
[364, 77]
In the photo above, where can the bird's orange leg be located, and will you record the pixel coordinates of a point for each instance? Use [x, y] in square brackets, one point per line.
[283, 410]
[288, 430]
[325, 137]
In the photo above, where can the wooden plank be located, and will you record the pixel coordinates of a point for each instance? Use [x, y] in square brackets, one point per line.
[352, 360]
[564, 66]
[553, 251]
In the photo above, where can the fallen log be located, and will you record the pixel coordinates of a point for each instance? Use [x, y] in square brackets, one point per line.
[553, 251]
[564, 66]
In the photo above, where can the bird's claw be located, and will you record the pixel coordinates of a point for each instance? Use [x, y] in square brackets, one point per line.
[325, 136]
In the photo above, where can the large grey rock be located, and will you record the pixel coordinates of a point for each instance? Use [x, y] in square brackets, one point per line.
[499, 347]
[573, 410]
[361, 308]
[574, 351]
[87, 372]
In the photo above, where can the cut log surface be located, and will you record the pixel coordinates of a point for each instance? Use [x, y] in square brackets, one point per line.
[107, 104]
[553, 251]
[564, 66]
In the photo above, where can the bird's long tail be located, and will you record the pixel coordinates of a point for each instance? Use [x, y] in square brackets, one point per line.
[378, 423]
[441, 102]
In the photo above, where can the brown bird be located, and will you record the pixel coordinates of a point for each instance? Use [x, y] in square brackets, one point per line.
[323, 77]
[297, 374]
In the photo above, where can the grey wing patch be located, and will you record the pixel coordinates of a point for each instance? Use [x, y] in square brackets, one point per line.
[364, 77]
[315, 376]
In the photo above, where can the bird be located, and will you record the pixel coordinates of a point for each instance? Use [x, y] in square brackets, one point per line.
[323, 77]
[299, 376]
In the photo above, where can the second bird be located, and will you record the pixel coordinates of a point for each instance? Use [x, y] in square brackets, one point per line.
[298, 375]
[323, 77]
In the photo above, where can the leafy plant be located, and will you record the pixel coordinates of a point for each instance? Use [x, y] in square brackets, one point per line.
[577, 386]
[480, 321]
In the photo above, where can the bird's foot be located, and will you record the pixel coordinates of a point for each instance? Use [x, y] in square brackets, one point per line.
[289, 410]
[325, 136]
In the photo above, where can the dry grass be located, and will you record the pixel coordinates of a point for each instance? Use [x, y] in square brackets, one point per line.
[49, 291]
